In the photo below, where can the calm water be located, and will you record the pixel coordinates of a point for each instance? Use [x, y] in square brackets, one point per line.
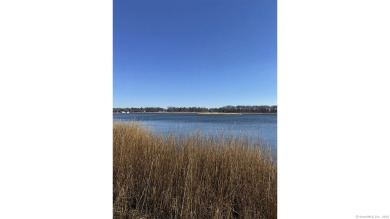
[262, 126]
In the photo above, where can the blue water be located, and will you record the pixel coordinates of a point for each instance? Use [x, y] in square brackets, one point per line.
[261, 126]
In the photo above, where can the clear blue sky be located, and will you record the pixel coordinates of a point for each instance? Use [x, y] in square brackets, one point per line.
[206, 53]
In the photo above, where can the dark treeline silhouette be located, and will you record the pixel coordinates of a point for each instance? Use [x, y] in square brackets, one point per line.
[224, 109]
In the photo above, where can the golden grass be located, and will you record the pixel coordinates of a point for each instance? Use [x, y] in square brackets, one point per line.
[200, 176]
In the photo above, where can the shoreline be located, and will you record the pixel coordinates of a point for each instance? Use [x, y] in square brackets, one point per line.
[200, 113]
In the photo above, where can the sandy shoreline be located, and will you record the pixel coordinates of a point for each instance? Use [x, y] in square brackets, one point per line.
[216, 113]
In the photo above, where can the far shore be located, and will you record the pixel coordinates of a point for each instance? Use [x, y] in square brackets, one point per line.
[202, 113]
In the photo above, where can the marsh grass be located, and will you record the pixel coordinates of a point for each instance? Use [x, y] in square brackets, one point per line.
[199, 176]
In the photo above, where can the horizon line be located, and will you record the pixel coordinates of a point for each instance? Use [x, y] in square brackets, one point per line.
[195, 106]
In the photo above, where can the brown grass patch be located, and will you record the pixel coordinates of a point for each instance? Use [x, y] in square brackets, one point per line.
[200, 176]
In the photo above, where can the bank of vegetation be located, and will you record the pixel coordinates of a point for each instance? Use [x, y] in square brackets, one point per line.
[199, 176]
[225, 109]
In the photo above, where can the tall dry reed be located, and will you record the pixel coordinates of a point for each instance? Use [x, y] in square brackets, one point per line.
[200, 176]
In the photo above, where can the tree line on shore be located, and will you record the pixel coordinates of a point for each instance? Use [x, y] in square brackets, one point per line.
[224, 109]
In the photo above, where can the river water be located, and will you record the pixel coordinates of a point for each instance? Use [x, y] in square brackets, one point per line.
[255, 126]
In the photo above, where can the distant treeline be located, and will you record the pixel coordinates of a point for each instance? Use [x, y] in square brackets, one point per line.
[224, 109]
